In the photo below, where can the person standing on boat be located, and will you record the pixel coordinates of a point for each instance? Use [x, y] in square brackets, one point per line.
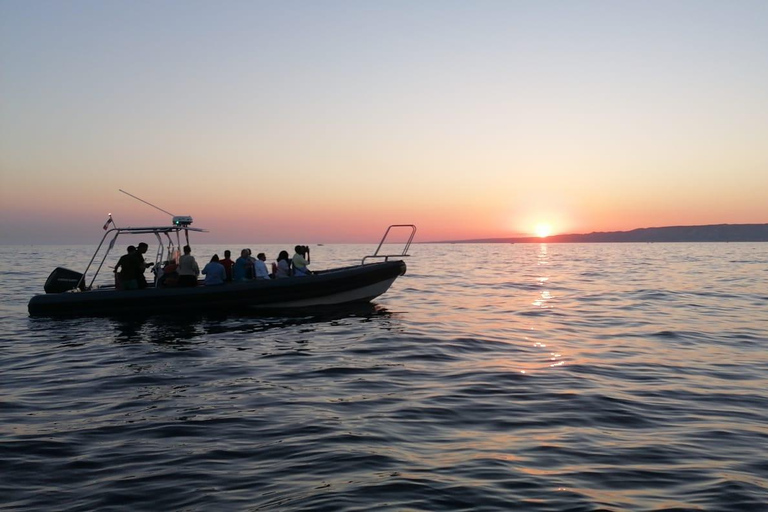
[124, 269]
[188, 269]
[214, 272]
[300, 261]
[243, 267]
[228, 264]
[140, 264]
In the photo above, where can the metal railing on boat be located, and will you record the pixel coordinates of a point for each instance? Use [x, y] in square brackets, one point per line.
[404, 253]
[156, 230]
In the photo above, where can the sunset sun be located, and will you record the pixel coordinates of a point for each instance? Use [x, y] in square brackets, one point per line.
[543, 230]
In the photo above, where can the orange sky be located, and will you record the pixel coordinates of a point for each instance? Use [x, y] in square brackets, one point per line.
[328, 123]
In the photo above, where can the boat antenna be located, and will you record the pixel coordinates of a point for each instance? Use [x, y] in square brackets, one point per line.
[145, 202]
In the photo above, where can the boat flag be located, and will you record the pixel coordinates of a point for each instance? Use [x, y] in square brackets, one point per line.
[109, 221]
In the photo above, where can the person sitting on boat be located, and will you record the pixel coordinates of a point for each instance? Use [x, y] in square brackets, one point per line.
[300, 261]
[214, 272]
[169, 275]
[124, 269]
[261, 266]
[188, 269]
[283, 266]
[251, 273]
[243, 267]
[228, 263]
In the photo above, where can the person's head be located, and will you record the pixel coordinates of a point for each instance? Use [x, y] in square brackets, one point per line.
[249, 252]
[131, 249]
[282, 256]
[142, 248]
[214, 258]
[262, 256]
[227, 253]
[244, 253]
[187, 249]
[299, 249]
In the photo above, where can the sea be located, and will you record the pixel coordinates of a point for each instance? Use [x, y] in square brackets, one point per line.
[490, 377]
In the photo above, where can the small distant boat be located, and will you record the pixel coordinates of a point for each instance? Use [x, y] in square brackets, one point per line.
[69, 294]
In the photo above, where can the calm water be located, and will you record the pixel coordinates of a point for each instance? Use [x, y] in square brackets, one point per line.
[490, 377]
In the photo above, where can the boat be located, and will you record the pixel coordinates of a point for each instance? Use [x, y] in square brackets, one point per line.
[70, 293]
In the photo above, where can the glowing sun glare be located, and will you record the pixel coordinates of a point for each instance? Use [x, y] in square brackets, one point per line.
[543, 230]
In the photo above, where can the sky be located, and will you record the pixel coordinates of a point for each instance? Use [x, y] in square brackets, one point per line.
[327, 121]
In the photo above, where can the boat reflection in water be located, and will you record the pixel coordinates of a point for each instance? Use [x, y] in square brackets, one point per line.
[179, 330]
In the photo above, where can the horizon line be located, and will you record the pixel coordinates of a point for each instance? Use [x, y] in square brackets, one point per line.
[538, 239]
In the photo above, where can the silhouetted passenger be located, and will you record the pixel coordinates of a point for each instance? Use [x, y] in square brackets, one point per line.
[251, 274]
[300, 261]
[188, 269]
[261, 266]
[125, 271]
[243, 267]
[283, 266]
[214, 272]
[169, 276]
[228, 263]
[141, 265]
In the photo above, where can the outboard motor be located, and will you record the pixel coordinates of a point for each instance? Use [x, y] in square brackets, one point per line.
[62, 280]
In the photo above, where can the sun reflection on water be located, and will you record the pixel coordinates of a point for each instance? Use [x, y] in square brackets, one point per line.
[544, 301]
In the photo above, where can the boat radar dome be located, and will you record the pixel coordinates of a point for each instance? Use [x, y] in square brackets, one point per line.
[182, 220]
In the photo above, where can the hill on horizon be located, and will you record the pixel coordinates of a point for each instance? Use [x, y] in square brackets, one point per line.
[705, 233]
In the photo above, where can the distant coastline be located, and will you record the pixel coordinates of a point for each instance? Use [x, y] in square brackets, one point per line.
[707, 233]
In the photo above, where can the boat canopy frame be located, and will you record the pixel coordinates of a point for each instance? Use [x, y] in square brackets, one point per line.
[172, 248]
[404, 252]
